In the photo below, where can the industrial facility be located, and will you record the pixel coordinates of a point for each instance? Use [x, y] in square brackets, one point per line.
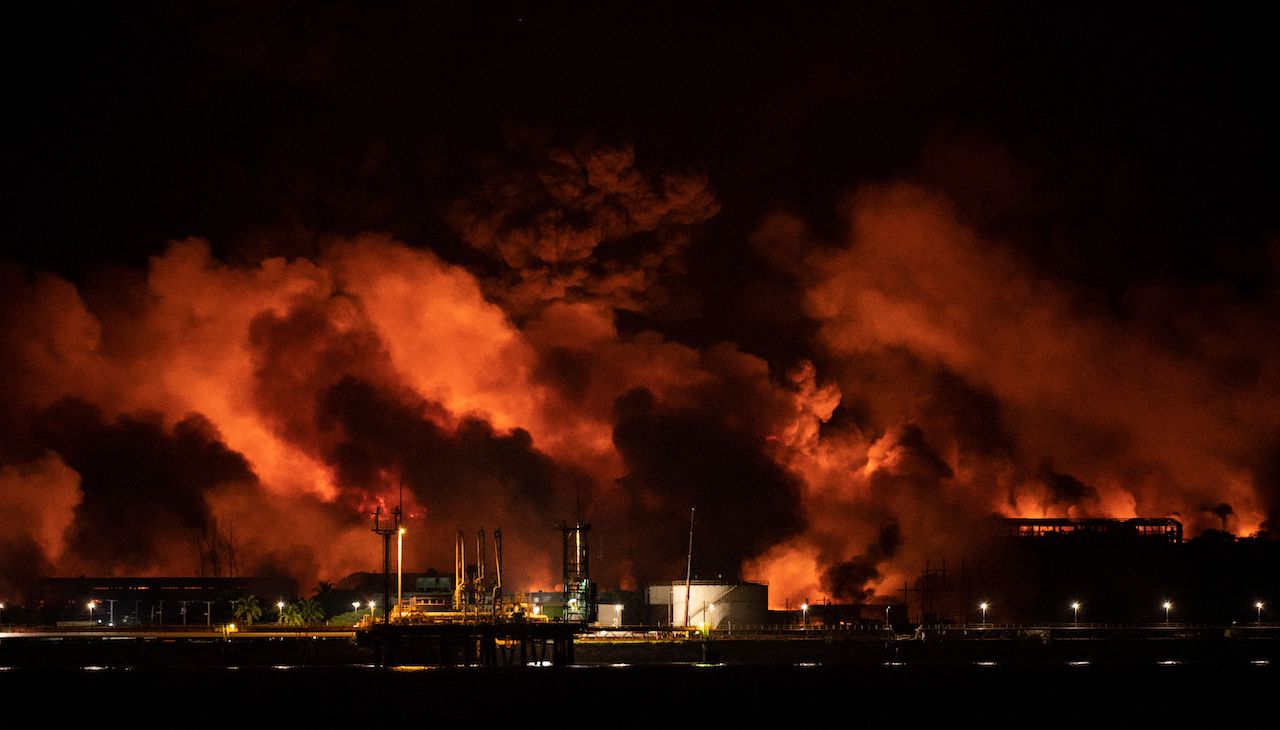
[1164, 529]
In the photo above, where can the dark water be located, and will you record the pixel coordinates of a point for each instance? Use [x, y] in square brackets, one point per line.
[922, 694]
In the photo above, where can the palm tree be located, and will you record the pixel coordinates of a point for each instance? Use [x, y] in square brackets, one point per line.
[291, 615]
[311, 611]
[246, 609]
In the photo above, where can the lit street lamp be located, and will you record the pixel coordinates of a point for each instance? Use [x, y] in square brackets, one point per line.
[984, 605]
[1257, 605]
[1075, 606]
[91, 605]
[804, 614]
[1167, 605]
[371, 610]
[399, 568]
[279, 612]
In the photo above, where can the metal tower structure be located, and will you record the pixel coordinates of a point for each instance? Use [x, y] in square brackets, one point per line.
[385, 532]
[579, 591]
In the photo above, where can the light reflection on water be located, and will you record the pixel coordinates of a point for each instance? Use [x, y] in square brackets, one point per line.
[912, 665]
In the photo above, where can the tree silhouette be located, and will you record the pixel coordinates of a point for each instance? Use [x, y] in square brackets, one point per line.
[291, 615]
[311, 611]
[247, 609]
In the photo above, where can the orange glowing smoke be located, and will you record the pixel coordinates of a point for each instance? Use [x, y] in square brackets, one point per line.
[947, 381]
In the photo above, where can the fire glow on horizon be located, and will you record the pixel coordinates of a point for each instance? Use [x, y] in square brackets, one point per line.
[273, 404]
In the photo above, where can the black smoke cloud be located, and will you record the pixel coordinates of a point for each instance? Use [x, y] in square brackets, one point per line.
[580, 223]
[682, 458]
[849, 580]
[325, 382]
[1267, 476]
[1064, 488]
[143, 483]
[22, 565]
[916, 465]
[332, 391]
[301, 354]
[467, 466]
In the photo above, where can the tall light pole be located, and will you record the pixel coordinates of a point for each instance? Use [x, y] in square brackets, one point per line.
[91, 604]
[1167, 605]
[1, 612]
[983, 606]
[399, 569]
[1257, 605]
[1075, 606]
[371, 617]
[804, 614]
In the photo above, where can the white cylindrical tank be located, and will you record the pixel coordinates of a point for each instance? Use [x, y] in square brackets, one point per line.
[718, 606]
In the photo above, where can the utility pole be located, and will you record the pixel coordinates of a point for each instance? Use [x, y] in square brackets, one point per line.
[688, 570]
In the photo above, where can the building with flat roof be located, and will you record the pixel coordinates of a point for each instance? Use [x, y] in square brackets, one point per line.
[1165, 529]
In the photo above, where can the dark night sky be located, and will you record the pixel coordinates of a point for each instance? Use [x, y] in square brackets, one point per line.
[1144, 139]
[1020, 245]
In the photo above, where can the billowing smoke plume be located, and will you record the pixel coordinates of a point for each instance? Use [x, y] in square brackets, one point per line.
[972, 385]
[142, 486]
[582, 224]
[202, 415]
